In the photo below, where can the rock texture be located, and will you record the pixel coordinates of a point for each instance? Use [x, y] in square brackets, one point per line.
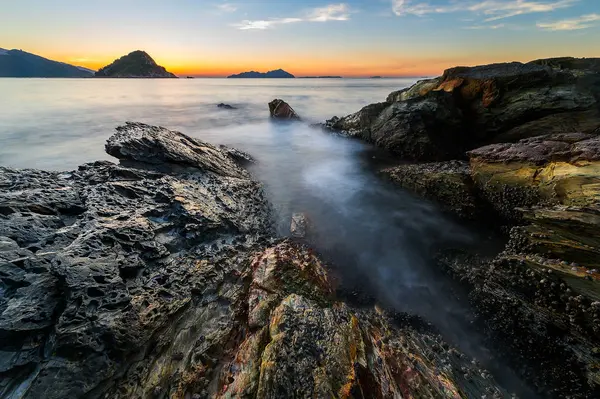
[160, 278]
[540, 298]
[279, 109]
[466, 107]
[447, 183]
[531, 134]
[137, 64]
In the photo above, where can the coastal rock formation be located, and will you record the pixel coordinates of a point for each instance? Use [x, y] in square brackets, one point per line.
[551, 169]
[160, 278]
[137, 64]
[531, 135]
[467, 107]
[279, 109]
[225, 106]
[540, 298]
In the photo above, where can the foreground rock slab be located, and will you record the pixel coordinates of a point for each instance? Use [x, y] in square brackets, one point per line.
[160, 278]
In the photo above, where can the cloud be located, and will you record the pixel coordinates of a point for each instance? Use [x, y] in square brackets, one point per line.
[582, 22]
[265, 24]
[493, 10]
[332, 12]
[227, 7]
[477, 27]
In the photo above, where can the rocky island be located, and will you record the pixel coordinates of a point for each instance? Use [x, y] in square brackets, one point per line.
[137, 64]
[276, 74]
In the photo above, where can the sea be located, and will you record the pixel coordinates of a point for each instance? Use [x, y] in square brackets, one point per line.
[380, 238]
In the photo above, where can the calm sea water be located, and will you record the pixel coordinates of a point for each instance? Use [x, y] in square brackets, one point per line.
[61, 123]
[381, 237]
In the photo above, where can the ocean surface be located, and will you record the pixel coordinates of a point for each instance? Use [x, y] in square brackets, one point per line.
[381, 238]
[62, 123]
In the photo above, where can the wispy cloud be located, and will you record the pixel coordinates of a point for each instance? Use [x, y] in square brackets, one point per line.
[332, 12]
[492, 10]
[477, 27]
[227, 7]
[583, 22]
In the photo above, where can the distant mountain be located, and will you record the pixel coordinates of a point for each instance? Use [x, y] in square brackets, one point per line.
[137, 64]
[276, 74]
[20, 64]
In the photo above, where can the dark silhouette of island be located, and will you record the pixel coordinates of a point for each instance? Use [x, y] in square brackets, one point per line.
[20, 64]
[276, 74]
[376, 77]
[137, 64]
[321, 77]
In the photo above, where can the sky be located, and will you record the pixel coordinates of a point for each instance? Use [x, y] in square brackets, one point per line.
[311, 37]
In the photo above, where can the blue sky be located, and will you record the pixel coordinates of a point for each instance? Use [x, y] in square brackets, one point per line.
[354, 38]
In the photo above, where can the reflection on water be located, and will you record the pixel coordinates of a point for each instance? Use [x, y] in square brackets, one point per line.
[382, 237]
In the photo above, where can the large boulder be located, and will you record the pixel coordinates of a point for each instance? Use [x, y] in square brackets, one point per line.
[467, 107]
[279, 109]
[160, 278]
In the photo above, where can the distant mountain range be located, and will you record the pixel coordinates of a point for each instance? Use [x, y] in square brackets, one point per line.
[137, 64]
[276, 74]
[20, 64]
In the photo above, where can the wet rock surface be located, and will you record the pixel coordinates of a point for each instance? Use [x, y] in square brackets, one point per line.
[530, 135]
[467, 107]
[447, 183]
[161, 278]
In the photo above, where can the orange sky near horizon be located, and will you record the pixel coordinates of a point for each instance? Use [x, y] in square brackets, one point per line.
[351, 65]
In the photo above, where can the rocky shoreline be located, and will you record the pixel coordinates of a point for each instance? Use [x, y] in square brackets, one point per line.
[518, 147]
[162, 277]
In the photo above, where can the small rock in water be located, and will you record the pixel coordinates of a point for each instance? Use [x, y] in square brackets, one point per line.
[225, 106]
[279, 109]
[299, 225]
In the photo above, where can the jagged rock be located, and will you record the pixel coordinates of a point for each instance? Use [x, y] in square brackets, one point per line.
[157, 145]
[448, 183]
[160, 278]
[535, 320]
[279, 109]
[467, 107]
[537, 296]
[551, 169]
[225, 106]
